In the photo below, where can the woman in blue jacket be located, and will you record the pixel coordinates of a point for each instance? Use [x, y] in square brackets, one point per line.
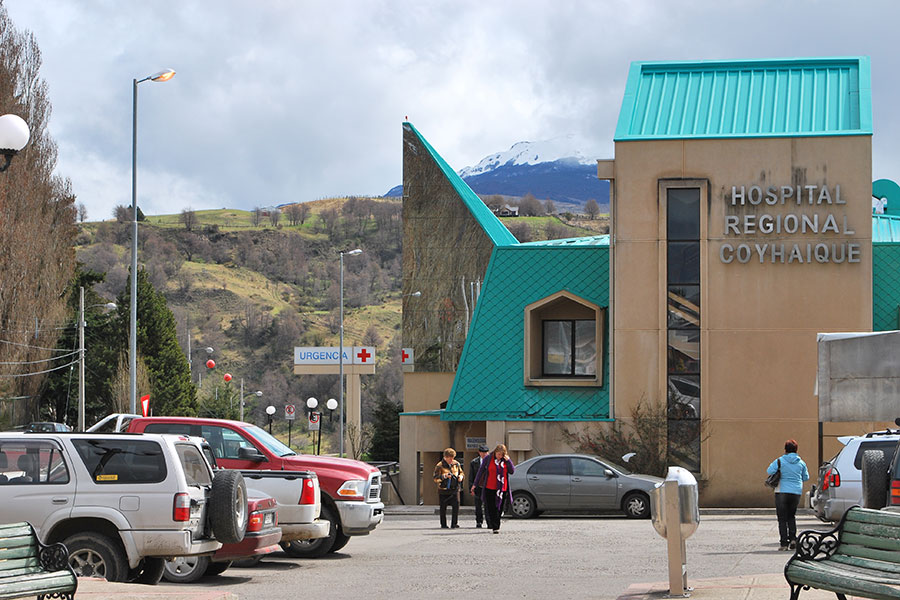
[787, 494]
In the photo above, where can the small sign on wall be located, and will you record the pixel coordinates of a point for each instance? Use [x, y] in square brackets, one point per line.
[472, 443]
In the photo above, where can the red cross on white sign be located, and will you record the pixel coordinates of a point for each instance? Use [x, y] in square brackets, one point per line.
[406, 356]
[363, 355]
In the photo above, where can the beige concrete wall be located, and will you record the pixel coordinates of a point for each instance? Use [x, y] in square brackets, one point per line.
[425, 391]
[758, 321]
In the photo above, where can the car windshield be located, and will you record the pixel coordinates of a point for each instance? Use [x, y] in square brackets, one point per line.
[274, 445]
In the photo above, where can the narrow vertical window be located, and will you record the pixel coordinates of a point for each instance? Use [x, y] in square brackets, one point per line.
[683, 324]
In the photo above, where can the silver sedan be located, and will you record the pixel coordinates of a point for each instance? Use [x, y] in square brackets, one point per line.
[578, 482]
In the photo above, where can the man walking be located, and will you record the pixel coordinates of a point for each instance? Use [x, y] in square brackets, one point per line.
[474, 465]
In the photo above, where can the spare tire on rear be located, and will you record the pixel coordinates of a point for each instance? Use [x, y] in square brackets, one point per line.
[228, 507]
[874, 479]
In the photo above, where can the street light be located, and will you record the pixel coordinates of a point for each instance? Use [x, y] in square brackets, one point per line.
[341, 348]
[132, 346]
[257, 393]
[109, 305]
[14, 135]
[270, 410]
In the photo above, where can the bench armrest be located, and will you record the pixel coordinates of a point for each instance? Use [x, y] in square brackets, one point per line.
[54, 557]
[818, 545]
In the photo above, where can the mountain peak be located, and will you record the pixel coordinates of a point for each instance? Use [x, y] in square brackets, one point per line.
[563, 148]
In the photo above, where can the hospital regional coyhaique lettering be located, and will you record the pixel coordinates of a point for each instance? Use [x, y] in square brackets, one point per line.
[817, 223]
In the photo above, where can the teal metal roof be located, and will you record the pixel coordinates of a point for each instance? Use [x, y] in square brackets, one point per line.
[596, 240]
[489, 383]
[493, 228]
[885, 229]
[796, 97]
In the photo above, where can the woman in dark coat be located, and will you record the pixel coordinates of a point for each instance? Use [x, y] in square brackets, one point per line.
[493, 478]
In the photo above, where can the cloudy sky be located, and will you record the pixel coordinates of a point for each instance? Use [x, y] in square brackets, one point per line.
[289, 100]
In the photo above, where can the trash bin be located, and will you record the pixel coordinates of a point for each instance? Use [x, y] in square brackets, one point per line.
[688, 501]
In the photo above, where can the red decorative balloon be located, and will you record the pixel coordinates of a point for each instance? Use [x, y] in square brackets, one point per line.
[210, 364]
[227, 377]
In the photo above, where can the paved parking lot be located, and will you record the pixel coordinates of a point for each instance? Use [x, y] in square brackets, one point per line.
[409, 556]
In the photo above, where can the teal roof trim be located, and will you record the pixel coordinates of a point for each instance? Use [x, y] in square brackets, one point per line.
[489, 383]
[595, 240]
[885, 229]
[799, 97]
[493, 228]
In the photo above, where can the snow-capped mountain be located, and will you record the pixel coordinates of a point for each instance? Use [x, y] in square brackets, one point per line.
[530, 153]
[554, 169]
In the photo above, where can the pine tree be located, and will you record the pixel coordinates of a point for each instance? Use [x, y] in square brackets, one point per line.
[171, 392]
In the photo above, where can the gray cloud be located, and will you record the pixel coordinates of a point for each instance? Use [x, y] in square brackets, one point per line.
[278, 101]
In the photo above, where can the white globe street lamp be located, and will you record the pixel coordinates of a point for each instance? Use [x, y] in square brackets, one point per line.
[14, 135]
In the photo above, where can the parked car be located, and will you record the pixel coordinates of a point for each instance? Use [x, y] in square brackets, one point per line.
[839, 485]
[578, 482]
[263, 535]
[47, 426]
[350, 489]
[121, 503]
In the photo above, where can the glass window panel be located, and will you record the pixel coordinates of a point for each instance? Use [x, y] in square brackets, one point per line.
[587, 467]
[684, 396]
[683, 262]
[122, 461]
[684, 306]
[550, 466]
[683, 214]
[585, 348]
[684, 444]
[557, 347]
[684, 351]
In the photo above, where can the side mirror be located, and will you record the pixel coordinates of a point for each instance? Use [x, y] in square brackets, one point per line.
[609, 474]
[252, 454]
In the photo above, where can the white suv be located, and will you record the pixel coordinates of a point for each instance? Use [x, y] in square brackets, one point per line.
[840, 479]
[121, 503]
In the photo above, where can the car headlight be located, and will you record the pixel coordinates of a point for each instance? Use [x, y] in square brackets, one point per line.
[354, 487]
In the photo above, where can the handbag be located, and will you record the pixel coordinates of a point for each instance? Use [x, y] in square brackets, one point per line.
[773, 479]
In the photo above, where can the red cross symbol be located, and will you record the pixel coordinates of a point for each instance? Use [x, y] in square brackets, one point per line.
[363, 355]
[404, 356]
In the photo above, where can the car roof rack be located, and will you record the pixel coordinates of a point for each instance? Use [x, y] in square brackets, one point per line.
[883, 432]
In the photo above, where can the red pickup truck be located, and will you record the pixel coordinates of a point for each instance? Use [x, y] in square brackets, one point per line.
[351, 490]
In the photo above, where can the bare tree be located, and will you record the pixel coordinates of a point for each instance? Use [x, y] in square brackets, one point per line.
[529, 206]
[122, 213]
[494, 202]
[304, 212]
[293, 213]
[592, 209]
[549, 207]
[189, 218]
[82, 212]
[256, 216]
[274, 217]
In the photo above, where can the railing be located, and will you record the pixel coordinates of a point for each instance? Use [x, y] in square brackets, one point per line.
[389, 468]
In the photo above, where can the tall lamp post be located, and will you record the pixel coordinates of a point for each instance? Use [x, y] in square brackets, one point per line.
[14, 135]
[341, 348]
[257, 393]
[109, 305]
[132, 346]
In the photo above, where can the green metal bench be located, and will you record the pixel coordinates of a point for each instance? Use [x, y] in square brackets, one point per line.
[861, 556]
[29, 568]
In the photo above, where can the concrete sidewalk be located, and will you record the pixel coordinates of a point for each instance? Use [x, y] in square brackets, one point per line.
[100, 589]
[749, 587]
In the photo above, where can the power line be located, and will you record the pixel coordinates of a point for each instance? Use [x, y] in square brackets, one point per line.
[33, 362]
[34, 347]
[16, 375]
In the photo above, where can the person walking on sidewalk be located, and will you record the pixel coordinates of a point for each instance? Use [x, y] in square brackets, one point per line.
[787, 494]
[476, 492]
[448, 475]
[493, 477]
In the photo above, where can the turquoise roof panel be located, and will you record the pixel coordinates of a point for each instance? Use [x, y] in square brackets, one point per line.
[594, 240]
[493, 228]
[489, 383]
[798, 97]
[885, 229]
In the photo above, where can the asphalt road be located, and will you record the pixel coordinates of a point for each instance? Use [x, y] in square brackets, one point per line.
[548, 557]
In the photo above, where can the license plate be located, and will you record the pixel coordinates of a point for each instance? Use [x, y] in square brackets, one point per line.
[270, 518]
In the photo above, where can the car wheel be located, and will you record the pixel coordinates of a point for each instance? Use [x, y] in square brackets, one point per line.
[228, 507]
[186, 569]
[150, 571]
[340, 540]
[636, 506]
[95, 555]
[217, 568]
[318, 547]
[523, 506]
[874, 479]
